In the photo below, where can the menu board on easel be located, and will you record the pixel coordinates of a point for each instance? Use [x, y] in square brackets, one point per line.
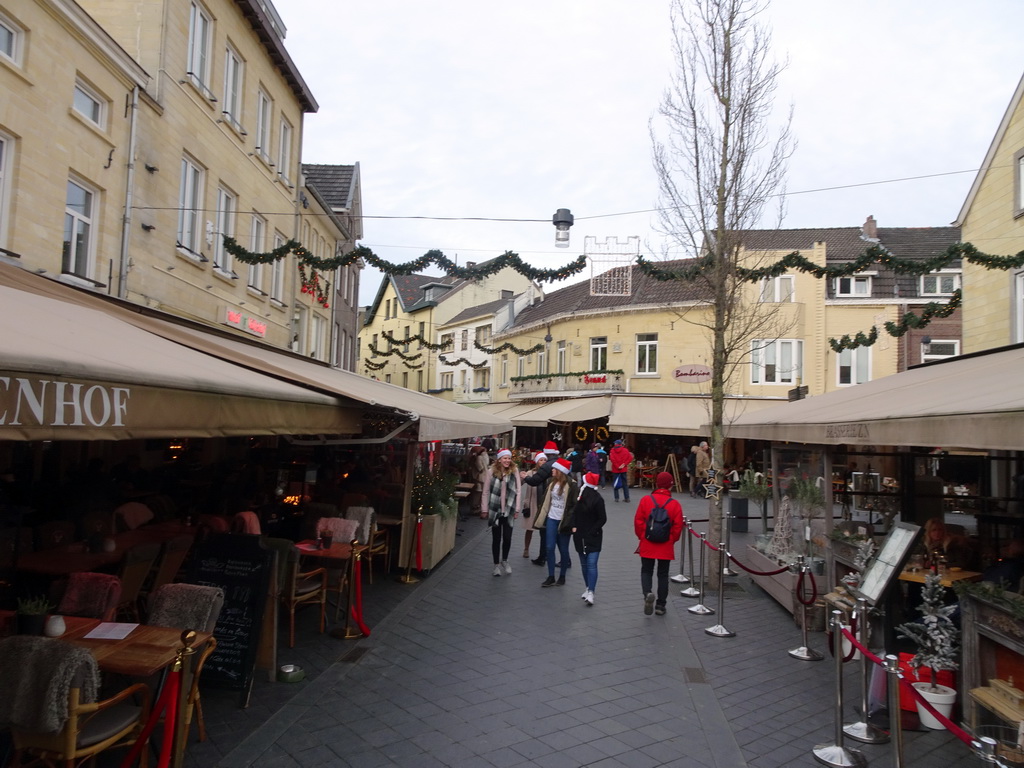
[672, 466]
[242, 567]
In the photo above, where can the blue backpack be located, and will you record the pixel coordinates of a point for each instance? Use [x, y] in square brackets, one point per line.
[659, 526]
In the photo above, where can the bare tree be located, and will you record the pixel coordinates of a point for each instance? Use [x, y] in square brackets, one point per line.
[720, 159]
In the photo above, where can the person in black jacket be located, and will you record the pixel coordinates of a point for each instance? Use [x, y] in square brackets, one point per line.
[539, 479]
[588, 521]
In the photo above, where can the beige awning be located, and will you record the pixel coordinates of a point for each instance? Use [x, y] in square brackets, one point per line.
[675, 414]
[975, 401]
[563, 411]
[71, 372]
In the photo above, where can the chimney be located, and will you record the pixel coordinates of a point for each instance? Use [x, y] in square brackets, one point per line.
[506, 294]
[470, 264]
[870, 229]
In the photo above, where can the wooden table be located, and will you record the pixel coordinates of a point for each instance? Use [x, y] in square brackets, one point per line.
[946, 579]
[74, 558]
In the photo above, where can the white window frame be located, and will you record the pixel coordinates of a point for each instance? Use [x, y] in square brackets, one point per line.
[277, 271]
[257, 242]
[447, 380]
[464, 344]
[80, 227]
[504, 370]
[190, 206]
[853, 366]
[780, 289]
[928, 356]
[561, 356]
[482, 378]
[542, 361]
[521, 366]
[227, 207]
[938, 278]
[1018, 308]
[284, 151]
[646, 348]
[6, 153]
[851, 291]
[13, 51]
[97, 114]
[200, 39]
[234, 88]
[318, 337]
[264, 114]
[765, 352]
[599, 353]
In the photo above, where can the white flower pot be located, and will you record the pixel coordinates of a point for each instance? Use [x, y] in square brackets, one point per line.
[941, 697]
[55, 626]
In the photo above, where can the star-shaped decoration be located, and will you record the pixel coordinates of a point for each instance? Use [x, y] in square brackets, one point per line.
[712, 473]
[712, 491]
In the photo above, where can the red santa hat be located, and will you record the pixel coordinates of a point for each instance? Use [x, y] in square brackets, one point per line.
[540, 455]
[503, 453]
[592, 479]
[563, 466]
[551, 447]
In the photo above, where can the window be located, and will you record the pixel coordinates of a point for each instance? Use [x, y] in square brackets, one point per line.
[318, 338]
[257, 233]
[504, 370]
[405, 347]
[387, 308]
[777, 289]
[482, 379]
[6, 149]
[419, 381]
[447, 379]
[90, 106]
[776, 361]
[189, 206]
[284, 152]
[1019, 182]
[465, 340]
[387, 378]
[233, 89]
[939, 350]
[277, 271]
[855, 285]
[483, 335]
[447, 342]
[199, 35]
[599, 353]
[1018, 308]
[226, 204]
[521, 366]
[264, 111]
[11, 38]
[854, 366]
[940, 284]
[405, 379]
[542, 361]
[646, 353]
[78, 235]
[560, 357]
[422, 332]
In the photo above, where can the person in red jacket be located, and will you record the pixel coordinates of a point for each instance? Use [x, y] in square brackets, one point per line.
[619, 460]
[663, 552]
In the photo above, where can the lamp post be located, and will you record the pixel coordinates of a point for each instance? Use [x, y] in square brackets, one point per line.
[562, 221]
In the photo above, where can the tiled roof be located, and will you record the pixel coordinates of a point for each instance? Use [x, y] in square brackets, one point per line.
[410, 287]
[333, 182]
[480, 310]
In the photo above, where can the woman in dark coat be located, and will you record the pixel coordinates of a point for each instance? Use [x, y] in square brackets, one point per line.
[588, 522]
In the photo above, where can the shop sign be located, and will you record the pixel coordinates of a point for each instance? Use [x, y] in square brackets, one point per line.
[238, 319]
[47, 403]
[847, 430]
[596, 379]
[692, 374]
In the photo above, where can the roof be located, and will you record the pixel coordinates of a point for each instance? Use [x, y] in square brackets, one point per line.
[335, 183]
[269, 33]
[480, 310]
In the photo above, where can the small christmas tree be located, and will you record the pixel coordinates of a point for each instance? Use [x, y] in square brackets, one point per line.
[936, 636]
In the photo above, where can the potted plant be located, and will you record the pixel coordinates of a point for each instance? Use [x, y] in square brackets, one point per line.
[754, 487]
[937, 639]
[31, 614]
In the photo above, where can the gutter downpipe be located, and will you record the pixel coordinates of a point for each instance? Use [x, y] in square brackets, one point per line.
[129, 198]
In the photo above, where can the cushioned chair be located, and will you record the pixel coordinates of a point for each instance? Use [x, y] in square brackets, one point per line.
[138, 562]
[73, 727]
[172, 556]
[296, 587]
[377, 541]
[190, 606]
[92, 595]
[341, 529]
[311, 514]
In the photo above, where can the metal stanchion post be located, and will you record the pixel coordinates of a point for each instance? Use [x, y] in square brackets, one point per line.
[719, 629]
[680, 578]
[727, 525]
[408, 578]
[700, 607]
[892, 681]
[690, 591]
[836, 755]
[804, 652]
[862, 730]
[985, 749]
[348, 632]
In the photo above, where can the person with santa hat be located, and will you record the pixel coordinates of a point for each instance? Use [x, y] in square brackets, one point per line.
[588, 521]
[532, 498]
[556, 518]
[661, 553]
[540, 478]
[500, 504]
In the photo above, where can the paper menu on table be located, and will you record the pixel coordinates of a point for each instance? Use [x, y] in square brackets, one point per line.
[111, 630]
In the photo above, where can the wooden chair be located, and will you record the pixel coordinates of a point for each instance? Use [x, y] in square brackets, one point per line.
[296, 587]
[92, 595]
[343, 530]
[378, 541]
[173, 555]
[138, 562]
[89, 728]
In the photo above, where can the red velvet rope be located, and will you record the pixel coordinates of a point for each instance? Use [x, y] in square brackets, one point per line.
[752, 571]
[710, 546]
[950, 726]
[800, 589]
[419, 544]
[357, 602]
[168, 702]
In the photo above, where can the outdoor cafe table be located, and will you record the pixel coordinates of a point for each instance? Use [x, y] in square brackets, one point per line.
[947, 579]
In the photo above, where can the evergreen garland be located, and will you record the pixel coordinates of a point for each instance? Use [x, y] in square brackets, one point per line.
[381, 353]
[312, 287]
[929, 312]
[508, 345]
[435, 347]
[375, 366]
[412, 367]
[570, 375]
[475, 366]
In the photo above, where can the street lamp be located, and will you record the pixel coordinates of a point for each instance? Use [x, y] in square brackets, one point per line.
[562, 221]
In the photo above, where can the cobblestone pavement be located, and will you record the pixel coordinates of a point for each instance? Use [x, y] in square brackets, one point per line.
[468, 669]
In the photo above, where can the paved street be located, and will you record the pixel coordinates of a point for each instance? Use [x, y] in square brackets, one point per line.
[465, 669]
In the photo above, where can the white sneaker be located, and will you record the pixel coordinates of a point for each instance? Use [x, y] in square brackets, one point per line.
[584, 595]
[589, 598]
[506, 566]
[497, 570]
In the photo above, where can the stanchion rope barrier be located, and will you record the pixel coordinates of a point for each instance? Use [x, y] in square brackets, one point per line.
[799, 589]
[357, 603]
[949, 725]
[166, 705]
[755, 572]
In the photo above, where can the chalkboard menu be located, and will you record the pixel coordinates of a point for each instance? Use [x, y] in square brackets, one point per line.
[241, 566]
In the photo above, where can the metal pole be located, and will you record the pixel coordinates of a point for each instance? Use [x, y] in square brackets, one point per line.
[862, 730]
[804, 652]
[719, 629]
[892, 667]
[680, 578]
[836, 755]
[690, 591]
[700, 607]
[727, 523]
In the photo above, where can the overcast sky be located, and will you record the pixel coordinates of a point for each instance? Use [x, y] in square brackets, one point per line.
[463, 110]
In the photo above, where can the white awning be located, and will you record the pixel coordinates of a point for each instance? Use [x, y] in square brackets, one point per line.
[676, 414]
[563, 411]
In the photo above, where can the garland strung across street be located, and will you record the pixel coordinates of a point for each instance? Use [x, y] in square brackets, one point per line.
[380, 353]
[412, 367]
[909, 320]
[476, 366]
[375, 366]
[508, 345]
[386, 335]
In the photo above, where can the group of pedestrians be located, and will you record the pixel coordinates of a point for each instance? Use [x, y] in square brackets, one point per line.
[549, 499]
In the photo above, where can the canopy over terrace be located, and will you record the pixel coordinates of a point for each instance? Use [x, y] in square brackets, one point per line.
[974, 401]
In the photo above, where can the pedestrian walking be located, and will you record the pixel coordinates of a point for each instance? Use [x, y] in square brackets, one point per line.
[602, 456]
[588, 522]
[691, 469]
[620, 458]
[479, 461]
[592, 461]
[703, 464]
[576, 457]
[532, 498]
[539, 479]
[658, 524]
[556, 517]
[500, 505]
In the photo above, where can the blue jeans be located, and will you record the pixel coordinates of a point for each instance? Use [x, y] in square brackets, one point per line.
[619, 481]
[588, 564]
[551, 539]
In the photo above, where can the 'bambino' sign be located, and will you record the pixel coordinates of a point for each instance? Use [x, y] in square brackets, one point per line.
[49, 403]
[692, 374]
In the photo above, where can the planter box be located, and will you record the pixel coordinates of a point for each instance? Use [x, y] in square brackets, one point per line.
[438, 541]
[780, 586]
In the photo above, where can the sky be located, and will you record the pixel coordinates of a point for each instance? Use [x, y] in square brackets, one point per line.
[463, 114]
